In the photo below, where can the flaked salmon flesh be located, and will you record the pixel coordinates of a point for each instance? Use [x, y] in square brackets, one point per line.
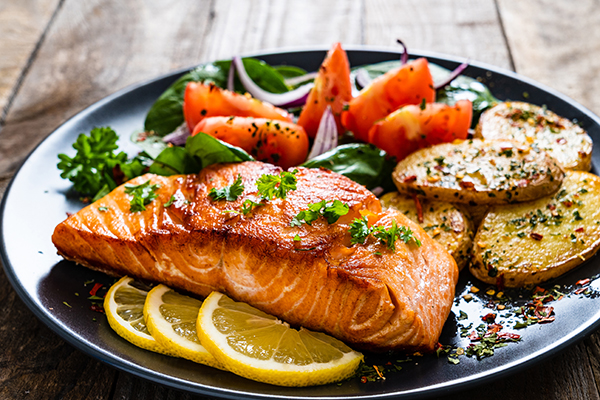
[367, 295]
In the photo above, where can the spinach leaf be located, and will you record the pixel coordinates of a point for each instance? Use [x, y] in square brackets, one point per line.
[363, 163]
[201, 150]
[166, 113]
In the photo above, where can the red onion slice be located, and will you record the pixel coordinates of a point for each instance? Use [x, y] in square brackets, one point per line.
[300, 79]
[327, 135]
[230, 76]
[452, 75]
[178, 136]
[362, 78]
[404, 56]
[293, 98]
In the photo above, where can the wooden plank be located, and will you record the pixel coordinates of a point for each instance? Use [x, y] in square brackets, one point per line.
[556, 43]
[21, 26]
[464, 28]
[35, 363]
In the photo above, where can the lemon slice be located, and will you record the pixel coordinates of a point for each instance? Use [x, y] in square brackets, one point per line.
[171, 319]
[258, 346]
[123, 305]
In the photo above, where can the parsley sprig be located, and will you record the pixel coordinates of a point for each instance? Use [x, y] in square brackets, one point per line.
[331, 210]
[360, 231]
[276, 186]
[229, 193]
[142, 195]
[92, 168]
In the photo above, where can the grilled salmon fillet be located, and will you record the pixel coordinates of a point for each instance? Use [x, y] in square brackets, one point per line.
[364, 294]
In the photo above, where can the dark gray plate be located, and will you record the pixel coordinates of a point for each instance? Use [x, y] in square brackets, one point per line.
[38, 199]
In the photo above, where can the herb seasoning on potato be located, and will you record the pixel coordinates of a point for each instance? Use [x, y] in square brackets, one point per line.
[529, 243]
[542, 129]
[479, 172]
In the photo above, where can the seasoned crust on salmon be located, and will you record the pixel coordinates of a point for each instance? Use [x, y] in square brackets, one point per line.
[363, 294]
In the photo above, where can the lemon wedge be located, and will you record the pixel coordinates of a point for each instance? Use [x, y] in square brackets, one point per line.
[123, 305]
[258, 346]
[171, 319]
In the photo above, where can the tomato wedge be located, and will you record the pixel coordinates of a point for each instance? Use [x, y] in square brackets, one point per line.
[411, 128]
[201, 101]
[277, 142]
[408, 84]
[332, 87]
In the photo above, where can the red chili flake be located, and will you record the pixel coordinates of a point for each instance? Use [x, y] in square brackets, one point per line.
[419, 208]
[538, 290]
[536, 236]
[551, 207]
[579, 230]
[500, 282]
[494, 328]
[567, 203]
[474, 336]
[95, 289]
[580, 290]
[489, 318]
[546, 320]
[508, 335]
[542, 312]
[363, 379]
[411, 178]
[523, 182]
[467, 184]
[583, 281]
[97, 308]
[561, 140]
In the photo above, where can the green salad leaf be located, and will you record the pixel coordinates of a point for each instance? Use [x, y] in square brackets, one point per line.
[200, 151]
[363, 163]
[166, 114]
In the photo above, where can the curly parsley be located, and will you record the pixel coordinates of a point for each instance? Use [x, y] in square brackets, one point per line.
[229, 193]
[276, 186]
[142, 195]
[331, 210]
[360, 230]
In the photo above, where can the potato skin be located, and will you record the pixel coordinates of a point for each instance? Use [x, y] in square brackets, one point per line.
[446, 223]
[567, 142]
[478, 172]
[522, 245]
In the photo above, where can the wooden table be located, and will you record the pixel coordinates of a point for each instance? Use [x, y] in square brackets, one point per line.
[59, 56]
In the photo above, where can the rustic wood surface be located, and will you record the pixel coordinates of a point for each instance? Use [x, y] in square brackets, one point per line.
[59, 56]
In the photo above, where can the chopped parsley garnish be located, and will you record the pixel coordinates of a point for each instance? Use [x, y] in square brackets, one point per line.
[276, 186]
[360, 230]
[102, 209]
[170, 202]
[142, 195]
[331, 210]
[229, 193]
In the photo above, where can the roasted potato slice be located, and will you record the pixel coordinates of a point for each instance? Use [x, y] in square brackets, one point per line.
[567, 142]
[528, 243]
[444, 222]
[478, 172]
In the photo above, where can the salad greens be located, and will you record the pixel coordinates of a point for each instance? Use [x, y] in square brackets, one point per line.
[363, 163]
[97, 169]
[166, 113]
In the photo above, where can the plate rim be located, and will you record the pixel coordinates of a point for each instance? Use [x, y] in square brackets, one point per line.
[199, 388]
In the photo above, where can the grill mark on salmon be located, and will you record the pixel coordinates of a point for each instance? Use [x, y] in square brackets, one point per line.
[365, 295]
